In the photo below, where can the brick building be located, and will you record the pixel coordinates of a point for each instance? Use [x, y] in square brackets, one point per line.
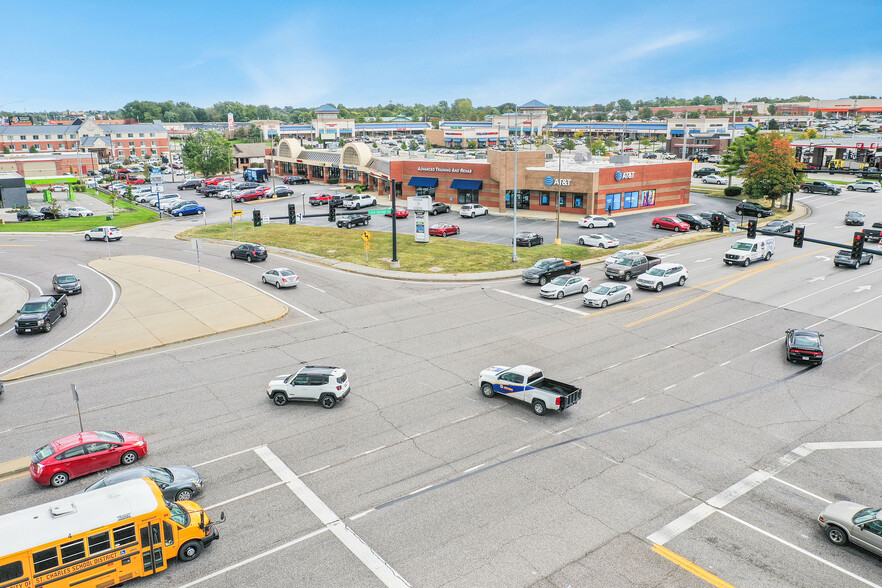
[107, 141]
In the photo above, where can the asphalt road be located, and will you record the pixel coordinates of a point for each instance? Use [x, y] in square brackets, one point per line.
[686, 393]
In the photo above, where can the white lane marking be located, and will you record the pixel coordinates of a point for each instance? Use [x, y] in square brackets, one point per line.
[384, 572]
[473, 468]
[518, 450]
[573, 310]
[641, 356]
[801, 550]
[727, 362]
[39, 289]
[315, 471]
[855, 307]
[797, 488]
[862, 288]
[610, 459]
[609, 367]
[778, 340]
[681, 524]
[702, 260]
[246, 495]
[604, 414]
[698, 374]
[361, 514]
[465, 418]
[522, 420]
[638, 400]
[69, 339]
[816, 279]
[369, 451]
[577, 444]
[314, 288]
[254, 558]
[740, 488]
[7, 331]
[522, 297]
[645, 476]
[198, 465]
[669, 387]
[564, 431]
[424, 488]
[423, 433]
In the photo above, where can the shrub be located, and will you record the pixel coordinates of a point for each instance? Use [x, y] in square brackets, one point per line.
[333, 180]
[732, 191]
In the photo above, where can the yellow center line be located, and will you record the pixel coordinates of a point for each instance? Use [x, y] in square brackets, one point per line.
[691, 567]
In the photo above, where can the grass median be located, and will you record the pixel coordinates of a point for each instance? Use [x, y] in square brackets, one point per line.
[126, 215]
[439, 255]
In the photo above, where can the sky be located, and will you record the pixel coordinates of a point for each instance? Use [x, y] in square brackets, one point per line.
[100, 55]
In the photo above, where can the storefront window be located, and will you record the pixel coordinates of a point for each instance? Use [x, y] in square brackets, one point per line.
[351, 175]
[523, 199]
[318, 172]
[334, 172]
[467, 196]
[631, 200]
[301, 169]
[425, 191]
[613, 201]
[544, 199]
[563, 200]
[577, 201]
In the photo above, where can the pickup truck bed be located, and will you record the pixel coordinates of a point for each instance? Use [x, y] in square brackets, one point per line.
[631, 266]
[529, 385]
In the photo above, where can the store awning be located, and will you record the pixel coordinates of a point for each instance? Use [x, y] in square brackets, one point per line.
[423, 182]
[466, 184]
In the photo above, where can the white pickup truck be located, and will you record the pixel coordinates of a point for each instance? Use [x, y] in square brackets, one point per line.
[359, 201]
[528, 384]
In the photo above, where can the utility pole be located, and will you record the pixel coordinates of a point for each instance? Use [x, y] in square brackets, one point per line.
[559, 154]
[514, 196]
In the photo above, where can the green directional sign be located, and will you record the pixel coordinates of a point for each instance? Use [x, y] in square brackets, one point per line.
[378, 211]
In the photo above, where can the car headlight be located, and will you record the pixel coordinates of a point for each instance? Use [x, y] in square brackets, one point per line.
[41, 321]
[138, 443]
[198, 484]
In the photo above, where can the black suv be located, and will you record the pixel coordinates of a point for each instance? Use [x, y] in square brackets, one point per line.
[249, 252]
[753, 209]
[695, 221]
[189, 185]
[51, 212]
[336, 201]
[354, 221]
[27, 214]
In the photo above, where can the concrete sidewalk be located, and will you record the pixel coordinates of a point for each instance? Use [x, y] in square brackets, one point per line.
[12, 297]
[161, 302]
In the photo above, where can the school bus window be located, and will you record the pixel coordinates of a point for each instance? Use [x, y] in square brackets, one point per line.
[145, 535]
[73, 551]
[178, 514]
[99, 542]
[124, 535]
[168, 533]
[45, 560]
[11, 571]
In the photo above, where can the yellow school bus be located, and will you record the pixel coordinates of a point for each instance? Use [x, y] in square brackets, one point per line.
[100, 538]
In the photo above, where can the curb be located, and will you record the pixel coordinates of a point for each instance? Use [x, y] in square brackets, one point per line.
[16, 466]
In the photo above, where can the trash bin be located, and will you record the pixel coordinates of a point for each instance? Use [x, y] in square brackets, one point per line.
[108, 217]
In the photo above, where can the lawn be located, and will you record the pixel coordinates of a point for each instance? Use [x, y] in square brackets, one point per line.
[127, 215]
[440, 255]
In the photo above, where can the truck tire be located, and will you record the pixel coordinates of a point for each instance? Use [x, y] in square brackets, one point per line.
[327, 400]
[627, 276]
[279, 399]
[47, 327]
[768, 256]
[64, 311]
[487, 390]
[543, 280]
[746, 262]
[539, 407]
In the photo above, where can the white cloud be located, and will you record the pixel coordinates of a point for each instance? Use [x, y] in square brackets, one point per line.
[656, 45]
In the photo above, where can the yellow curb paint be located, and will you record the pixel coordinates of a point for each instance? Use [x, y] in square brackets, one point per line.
[691, 567]
[4, 478]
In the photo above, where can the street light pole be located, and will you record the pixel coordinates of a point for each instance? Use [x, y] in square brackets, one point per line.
[514, 197]
[559, 154]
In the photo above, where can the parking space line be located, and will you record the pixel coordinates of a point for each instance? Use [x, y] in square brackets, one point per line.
[422, 489]
[573, 310]
[361, 514]
[797, 488]
[254, 558]
[246, 495]
[384, 572]
[542, 302]
[691, 567]
[801, 550]
[197, 465]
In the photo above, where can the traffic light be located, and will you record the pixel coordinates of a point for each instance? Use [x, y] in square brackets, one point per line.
[332, 213]
[798, 236]
[751, 229]
[256, 217]
[857, 246]
[717, 223]
[292, 214]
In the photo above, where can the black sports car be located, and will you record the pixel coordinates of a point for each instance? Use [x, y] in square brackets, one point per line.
[804, 346]
[853, 217]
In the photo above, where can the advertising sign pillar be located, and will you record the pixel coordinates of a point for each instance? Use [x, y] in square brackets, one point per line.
[420, 206]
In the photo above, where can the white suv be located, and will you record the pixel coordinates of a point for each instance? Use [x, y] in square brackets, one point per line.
[473, 210]
[664, 274]
[105, 233]
[359, 201]
[313, 383]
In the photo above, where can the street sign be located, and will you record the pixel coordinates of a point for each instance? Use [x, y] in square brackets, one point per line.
[237, 212]
[156, 178]
[378, 211]
[367, 245]
[366, 236]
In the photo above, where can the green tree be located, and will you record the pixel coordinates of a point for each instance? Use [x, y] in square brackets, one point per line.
[769, 171]
[413, 145]
[644, 113]
[809, 134]
[773, 125]
[463, 109]
[569, 144]
[819, 114]
[32, 149]
[645, 142]
[720, 100]
[597, 147]
[664, 113]
[341, 143]
[735, 158]
[5, 150]
[772, 109]
[471, 144]
[624, 104]
[207, 151]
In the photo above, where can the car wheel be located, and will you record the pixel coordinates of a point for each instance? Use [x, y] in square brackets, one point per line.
[603, 245]
[659, 286]
[357, 206]
[830, 192]
[657, 226]
[584, 289]
[538, 407]
[603, 304]
[590, 225]
[88, 238]
[627, 297]
[559, 295]
[870, 261]
[262, 279]
[581, 241]
[128, 458]
[837, 536]
[473, 215]
[248, 258]
[457, 232]
[232, 255]
[768, 256]
[856, 265]
[279, 399]
[189, 551]
[487, 390]
[682, 280]
[63, 311]
[58, 479]
[628, 277]
[185, 494]
[486, 212]
[47, 327]
[328, 400]
[850, 188]
[543, 280]
[746, 262]
[676, 229]
[278, 286]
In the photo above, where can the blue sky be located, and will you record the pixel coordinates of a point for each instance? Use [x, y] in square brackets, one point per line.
[96, 54]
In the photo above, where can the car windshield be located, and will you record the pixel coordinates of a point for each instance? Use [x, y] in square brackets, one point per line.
[805, 341]
[41, 454]
[542, 264]
[66, 279]
[739, 246]
[604, 290]
[866, 515]
[627, 261]
[178, 514]
[34, 307]
[560, 280]
[656, 271]
[161, 475]
[111, 436]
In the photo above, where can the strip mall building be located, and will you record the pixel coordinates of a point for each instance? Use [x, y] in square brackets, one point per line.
[586, 185]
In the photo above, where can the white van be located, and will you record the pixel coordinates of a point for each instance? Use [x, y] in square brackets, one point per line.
[744, 251]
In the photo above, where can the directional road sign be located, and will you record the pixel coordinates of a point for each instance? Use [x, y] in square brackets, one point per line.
[378, 211]
[366, 236]
[237, 212]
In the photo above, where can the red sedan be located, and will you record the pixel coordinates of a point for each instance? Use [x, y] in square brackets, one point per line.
[135, 181]
[249, 195]
[216, 180]
[83, 453]
[443, 230]
[670, 223]
[399, 212]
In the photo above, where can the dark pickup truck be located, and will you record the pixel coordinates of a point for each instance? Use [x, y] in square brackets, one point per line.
[820, 187]
[551, 267]
[705, 171]
[630, 266]
[40, 313]
[354, 221]
[873, 235]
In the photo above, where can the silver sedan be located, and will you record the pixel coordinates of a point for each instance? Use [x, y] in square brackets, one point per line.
[564, 286]
[281, 277]
[845, 522]
[606, 294]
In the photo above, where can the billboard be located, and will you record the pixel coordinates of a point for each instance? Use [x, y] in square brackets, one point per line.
[230, 121]
[21, 120]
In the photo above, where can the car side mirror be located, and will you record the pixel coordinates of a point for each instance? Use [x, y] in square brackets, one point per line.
[18, 311]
